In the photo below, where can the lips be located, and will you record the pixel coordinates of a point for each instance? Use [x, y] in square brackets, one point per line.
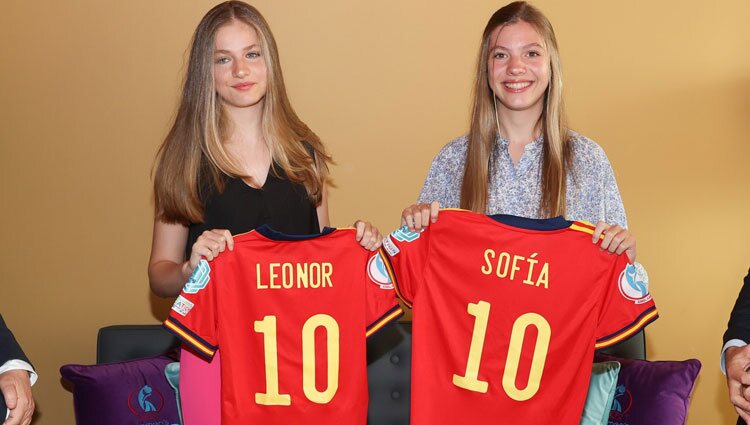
[516, 86]
[243, 86]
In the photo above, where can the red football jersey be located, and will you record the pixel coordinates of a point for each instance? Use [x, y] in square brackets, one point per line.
[506, 317]
[290, 315]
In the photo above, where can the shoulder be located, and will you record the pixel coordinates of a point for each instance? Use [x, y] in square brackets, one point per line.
[454, 151]
[586, 152]
[582, 145]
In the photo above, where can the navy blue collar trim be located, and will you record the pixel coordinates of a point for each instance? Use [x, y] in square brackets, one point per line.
[275, 235]
[555, 223]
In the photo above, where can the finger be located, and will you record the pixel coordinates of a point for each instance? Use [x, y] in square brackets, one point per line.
[14, 418]
[229, 239]
[744, 379]
[417, 219]
[617, 240]
[220, 238]
[406, 214]
[426, 215]
[745, 415]
[9, 393]
[609, 235]
[625, 244]
[598, 230]
[360, 230]
[631, 252]
[29, 413]
[434, 210]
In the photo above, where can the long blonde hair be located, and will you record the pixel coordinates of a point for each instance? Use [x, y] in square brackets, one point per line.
[556, 153]
[192, 159]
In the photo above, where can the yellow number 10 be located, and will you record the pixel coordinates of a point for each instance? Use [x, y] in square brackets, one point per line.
[470, 380]
[272, 396]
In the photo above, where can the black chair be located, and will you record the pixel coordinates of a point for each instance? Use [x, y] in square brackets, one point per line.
[388, 361]
[127, 342]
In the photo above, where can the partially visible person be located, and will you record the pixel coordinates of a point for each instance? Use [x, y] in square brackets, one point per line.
[16, 378]
[520, 157]
[735, 355]
[237, 157]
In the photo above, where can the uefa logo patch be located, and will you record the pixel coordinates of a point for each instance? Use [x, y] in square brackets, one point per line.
[377, 272]
[633, 284]
[198, 279]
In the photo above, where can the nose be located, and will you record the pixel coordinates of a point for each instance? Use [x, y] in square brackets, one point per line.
[240, 69]
[516, 66]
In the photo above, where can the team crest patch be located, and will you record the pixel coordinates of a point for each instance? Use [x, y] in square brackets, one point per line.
[182, 306]
[377, 272]
[633, 283]
[199, 279]
[403, 234]
[390, 247]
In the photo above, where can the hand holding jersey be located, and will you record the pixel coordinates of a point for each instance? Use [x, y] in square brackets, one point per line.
[290, 314]
[613, 238]
[516, 307]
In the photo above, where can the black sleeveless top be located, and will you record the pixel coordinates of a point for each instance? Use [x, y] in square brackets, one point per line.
[281, 204]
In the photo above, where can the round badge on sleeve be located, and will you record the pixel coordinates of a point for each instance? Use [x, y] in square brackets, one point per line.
[633, 283]
[377, 272]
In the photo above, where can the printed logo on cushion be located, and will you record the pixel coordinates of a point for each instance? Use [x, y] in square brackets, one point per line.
[620, 406]
[146, 403]
[377, 272]
[633, 283]
[198, 279]
[403, 234]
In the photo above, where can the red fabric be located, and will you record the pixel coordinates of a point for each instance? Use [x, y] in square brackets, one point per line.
[451, 275]
[246, 311]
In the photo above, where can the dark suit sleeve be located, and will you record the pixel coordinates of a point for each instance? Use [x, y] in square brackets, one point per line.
[9, 348]
[739, 320]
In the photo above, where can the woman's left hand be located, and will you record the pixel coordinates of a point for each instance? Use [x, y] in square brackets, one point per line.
[368, 235]
[615, 239]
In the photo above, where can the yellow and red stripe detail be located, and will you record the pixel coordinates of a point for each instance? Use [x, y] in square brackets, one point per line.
[395, 314]
[629, 331]
[189, 339]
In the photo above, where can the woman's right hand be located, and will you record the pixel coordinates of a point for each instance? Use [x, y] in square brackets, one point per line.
[208, 245]
[420, 216]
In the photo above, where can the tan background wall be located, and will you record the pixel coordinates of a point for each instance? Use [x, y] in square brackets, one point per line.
[88, 89]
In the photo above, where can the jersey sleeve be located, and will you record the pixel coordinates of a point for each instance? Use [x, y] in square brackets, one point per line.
[405, 256]
[627, 306]
[193, 315]
[381, 304]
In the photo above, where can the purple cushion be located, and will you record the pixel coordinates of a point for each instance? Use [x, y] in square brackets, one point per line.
[652, 392]
[127, 393]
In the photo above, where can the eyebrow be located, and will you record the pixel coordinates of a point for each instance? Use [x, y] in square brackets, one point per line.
[229, 51]
[524, 47]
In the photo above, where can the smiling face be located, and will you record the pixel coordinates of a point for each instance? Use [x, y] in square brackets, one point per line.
[239, 68]
[518, 67]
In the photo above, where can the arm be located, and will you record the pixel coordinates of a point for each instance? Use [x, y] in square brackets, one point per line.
[167, 269]
[16, 378]
[613, 222]
[735, 354]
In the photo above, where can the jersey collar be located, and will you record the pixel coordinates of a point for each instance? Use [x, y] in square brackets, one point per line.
[275, 235]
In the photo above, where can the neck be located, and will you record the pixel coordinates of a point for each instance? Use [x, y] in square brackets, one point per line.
[519, 127]
[246, 125]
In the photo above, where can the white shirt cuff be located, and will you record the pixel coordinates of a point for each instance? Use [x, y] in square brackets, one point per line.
[729, 344]
[19, 365]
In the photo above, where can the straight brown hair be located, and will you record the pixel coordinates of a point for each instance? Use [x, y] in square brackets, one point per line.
[556, 152]
[192, 159]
